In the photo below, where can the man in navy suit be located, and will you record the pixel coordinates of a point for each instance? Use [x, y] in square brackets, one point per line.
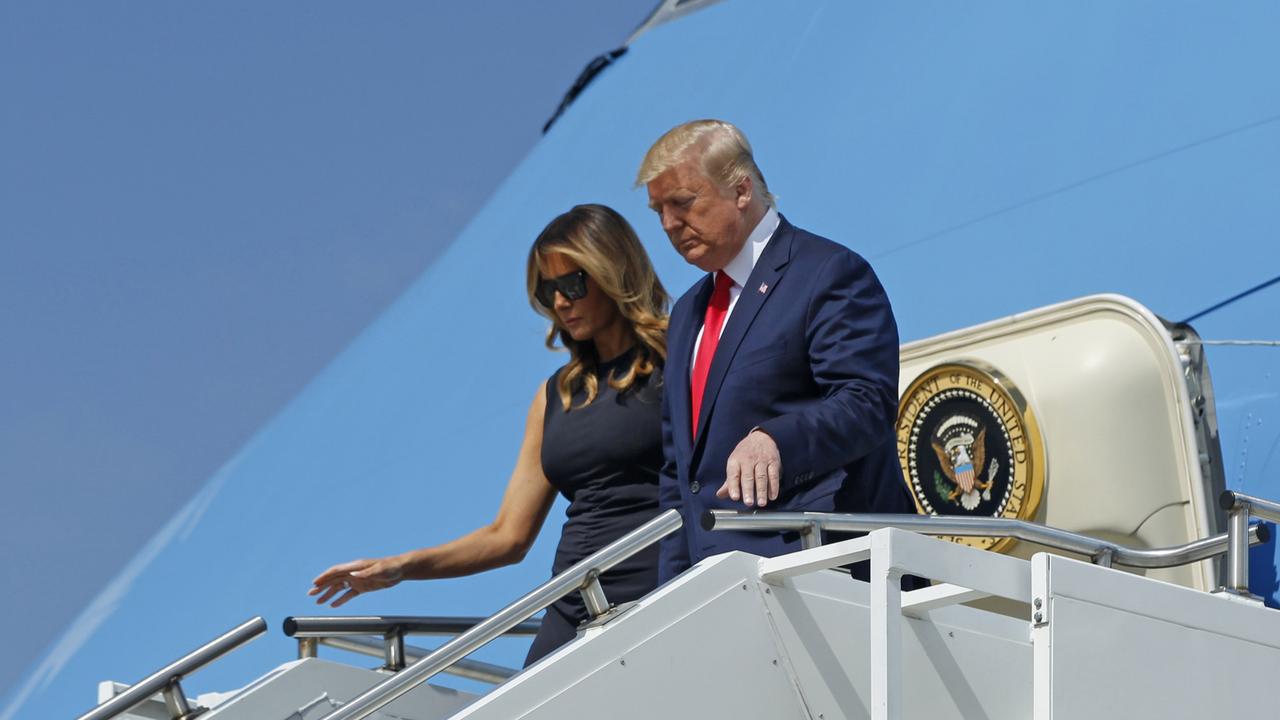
[782, 363]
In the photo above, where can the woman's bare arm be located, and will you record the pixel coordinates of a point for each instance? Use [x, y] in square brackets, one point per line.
[504, 541]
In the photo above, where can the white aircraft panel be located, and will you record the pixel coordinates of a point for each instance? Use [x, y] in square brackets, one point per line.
[1114, 645]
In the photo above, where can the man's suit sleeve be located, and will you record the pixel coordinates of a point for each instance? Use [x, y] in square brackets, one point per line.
[853, 354]
[673, 550]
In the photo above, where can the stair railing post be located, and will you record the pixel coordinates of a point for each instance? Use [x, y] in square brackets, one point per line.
[811, 536]
[308, 647]
[175, 701]
[1238, 548]
[393, 641]
[1104, 557]
[594, 597]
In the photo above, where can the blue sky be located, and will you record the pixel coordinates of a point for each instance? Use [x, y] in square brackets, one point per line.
[200, 204]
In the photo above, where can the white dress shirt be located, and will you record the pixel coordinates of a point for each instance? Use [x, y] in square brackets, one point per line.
[740, 267]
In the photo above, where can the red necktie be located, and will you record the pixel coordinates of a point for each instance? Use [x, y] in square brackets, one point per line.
[711, 324]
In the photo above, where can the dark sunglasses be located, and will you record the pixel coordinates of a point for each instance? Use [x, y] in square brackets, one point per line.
[573, 286]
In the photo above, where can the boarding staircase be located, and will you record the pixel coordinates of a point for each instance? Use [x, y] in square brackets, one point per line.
[742, 636]
[1124, 596]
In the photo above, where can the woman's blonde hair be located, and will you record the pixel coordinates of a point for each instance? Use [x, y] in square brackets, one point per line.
[724, 151]
[601, 242]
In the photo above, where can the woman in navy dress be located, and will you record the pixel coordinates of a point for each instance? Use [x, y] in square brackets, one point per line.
[593, 433]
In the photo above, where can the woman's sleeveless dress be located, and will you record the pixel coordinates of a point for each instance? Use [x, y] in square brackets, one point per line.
[604, 458]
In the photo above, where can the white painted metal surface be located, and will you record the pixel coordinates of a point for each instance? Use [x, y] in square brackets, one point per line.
[739, 636]
[1112, 645]
[311, 688]
[784, 637]
[699, 646]
[722, 642]
[1105, 382]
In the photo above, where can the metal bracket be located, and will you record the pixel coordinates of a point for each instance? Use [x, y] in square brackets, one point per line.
[594, 597]
[1245, 597]
[609, 616]
[175, 701]
[1039, 613]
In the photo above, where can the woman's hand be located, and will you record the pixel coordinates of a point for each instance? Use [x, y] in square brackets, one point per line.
[524, 507]
[355, 577]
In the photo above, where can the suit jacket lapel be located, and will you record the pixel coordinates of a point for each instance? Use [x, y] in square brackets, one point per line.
[758, 288]
[680, 363]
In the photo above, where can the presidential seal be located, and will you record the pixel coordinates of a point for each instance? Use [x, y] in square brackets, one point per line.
[969, 445]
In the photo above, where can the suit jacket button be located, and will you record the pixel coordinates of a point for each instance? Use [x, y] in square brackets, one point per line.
[694, 487]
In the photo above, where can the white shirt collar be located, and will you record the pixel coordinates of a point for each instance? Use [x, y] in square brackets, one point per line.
[740, 267]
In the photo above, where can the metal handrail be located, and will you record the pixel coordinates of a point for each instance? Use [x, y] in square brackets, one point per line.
[167, 679]
[582, 575]
[334, 626]
[311, 631]
[1240, 508]
[1259, 508]
[470, 669]
[1100, 551]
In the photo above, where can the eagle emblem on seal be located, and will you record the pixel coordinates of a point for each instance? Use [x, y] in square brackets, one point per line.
[961, 446]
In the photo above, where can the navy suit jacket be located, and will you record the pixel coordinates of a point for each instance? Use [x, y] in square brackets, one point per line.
[810, 356]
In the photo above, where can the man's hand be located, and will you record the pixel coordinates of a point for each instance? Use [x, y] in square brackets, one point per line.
[754, 471]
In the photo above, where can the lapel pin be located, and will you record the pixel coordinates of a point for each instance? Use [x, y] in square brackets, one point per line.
[764, 288]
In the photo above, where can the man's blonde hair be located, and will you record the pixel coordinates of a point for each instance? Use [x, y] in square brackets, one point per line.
[721, 146]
